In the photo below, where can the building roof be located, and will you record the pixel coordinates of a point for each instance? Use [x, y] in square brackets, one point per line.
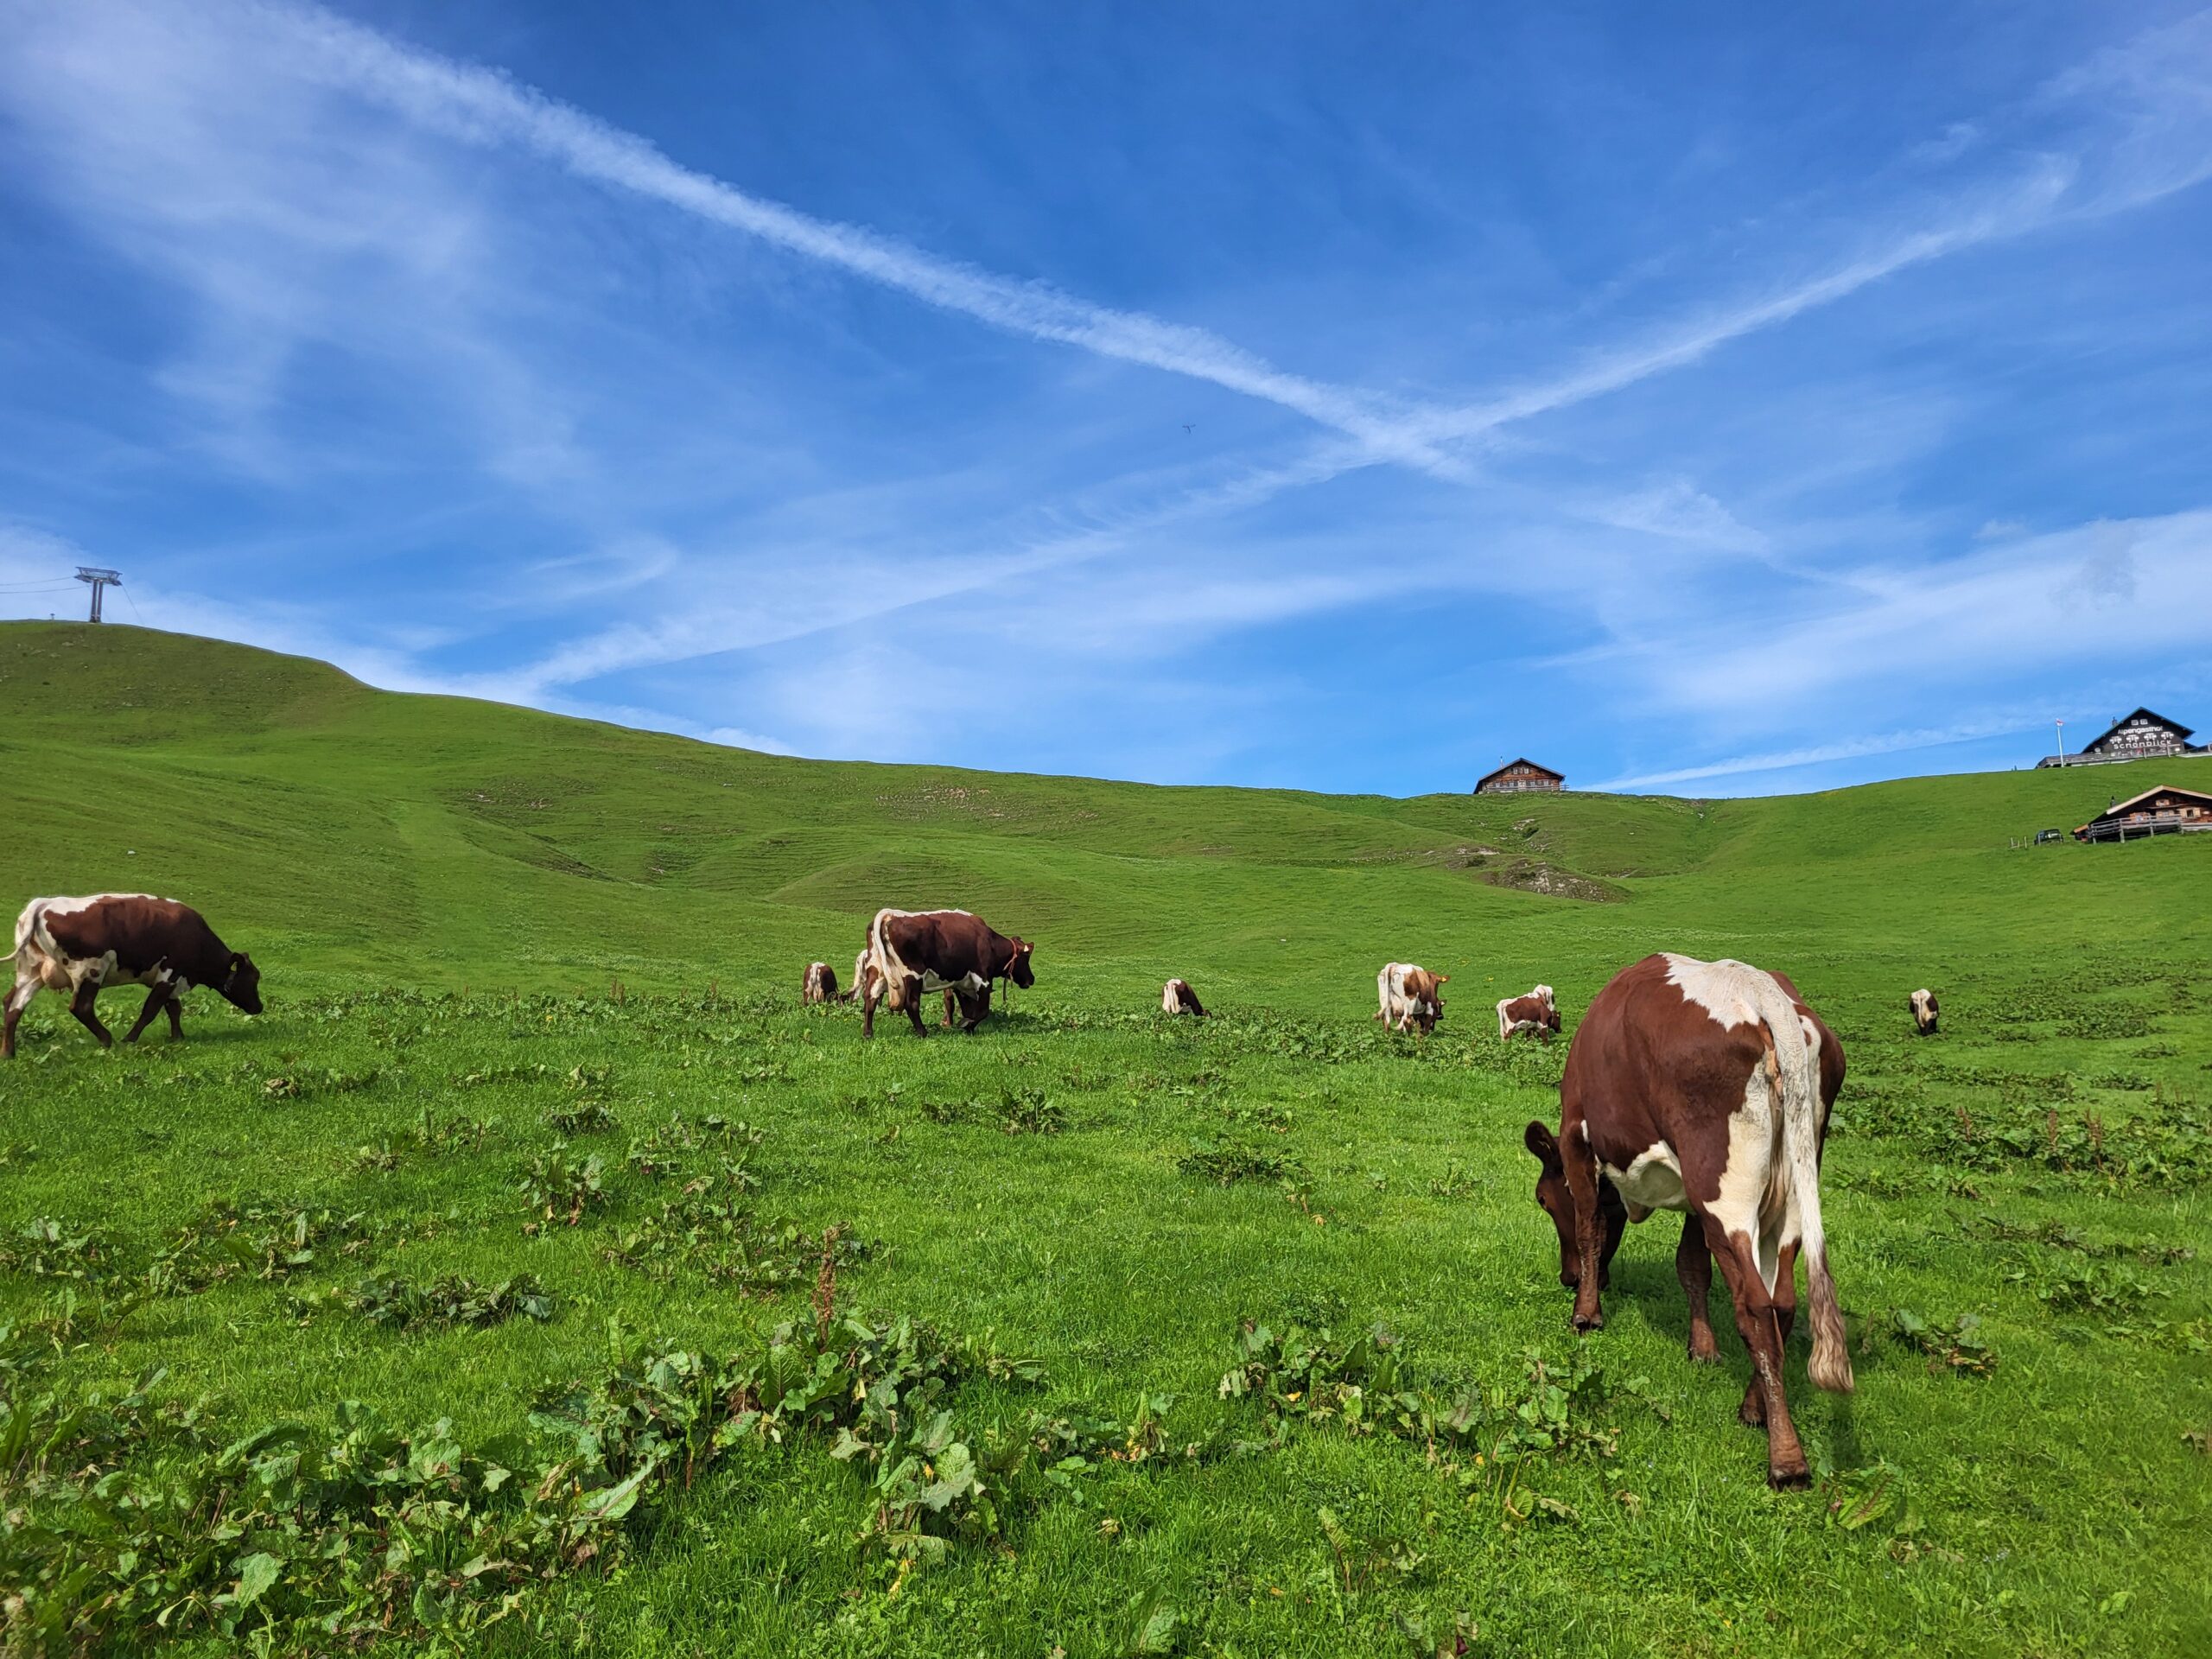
[1522, 761]
[2173, 726]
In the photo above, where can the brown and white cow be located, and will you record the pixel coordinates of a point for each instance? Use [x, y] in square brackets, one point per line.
[820, 985]
[82, 945]
[1704, 1087]
[859, 986]
[1536, 1012]
[1924, 1010]
[912, 953]
[1410, 996]
[1176, 996]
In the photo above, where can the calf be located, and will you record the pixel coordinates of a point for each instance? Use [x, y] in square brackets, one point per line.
[1176, 996]
[1923, 1004]
[1536, 1012]
[1410, 996]
[1704, 1087]
[912, 953]
[80, 945]
[820, 985]
[862, 973]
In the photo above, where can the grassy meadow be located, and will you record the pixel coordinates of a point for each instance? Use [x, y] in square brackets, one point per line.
[535, 1276]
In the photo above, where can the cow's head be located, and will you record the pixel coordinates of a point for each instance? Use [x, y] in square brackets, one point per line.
[1552, 1193]
[1017, 967]
[241, 986]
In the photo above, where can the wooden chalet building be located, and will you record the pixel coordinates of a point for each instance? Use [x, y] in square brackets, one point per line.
[2139, 736]
[2161, 811]
[1521, 777]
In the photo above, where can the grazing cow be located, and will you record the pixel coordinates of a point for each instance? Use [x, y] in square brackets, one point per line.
[820, 985]
[1410, 996]
[1536, 1012]
[912, 953]
[1923, 1004]
[80, 946]
[1704, 1087]
[1176, 996]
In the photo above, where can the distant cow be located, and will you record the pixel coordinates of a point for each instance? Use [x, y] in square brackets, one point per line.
[81, 945]
[1410, 996]
[1704, 1087]
[1536, 1012]
[859, 987]
[1923, 1004]
[1176, 996]
[912, 953]
[820, 985]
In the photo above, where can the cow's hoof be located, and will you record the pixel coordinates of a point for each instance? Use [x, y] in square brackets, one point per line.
[1788, 1477]
[1588, 1322]
[1752, 1415]
[1707, 1355]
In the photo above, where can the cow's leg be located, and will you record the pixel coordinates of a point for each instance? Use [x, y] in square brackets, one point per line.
[1694, 1267]
[1753, 1410]
[1612, 1223]
[19, 996]
[869, 998]
[174, 1009]
[1756, 1323]
[81, 1006]
[913, 1000]
[157, 997]
[1582, 1181]
[949, 1003]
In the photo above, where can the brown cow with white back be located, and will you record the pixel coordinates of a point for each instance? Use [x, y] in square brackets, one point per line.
[1704, 1087]
[1538, 1011]
[1412, 997]
[1924, 1009]
[1176, 996]
[81, 945]
[912, 954]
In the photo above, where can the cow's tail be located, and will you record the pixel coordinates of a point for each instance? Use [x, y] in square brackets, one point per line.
[1794, 1074]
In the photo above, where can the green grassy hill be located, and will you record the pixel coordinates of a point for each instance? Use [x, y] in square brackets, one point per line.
[532, 989]
[342, 829]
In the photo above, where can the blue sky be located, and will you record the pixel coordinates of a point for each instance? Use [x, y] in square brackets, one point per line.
[1350, 397]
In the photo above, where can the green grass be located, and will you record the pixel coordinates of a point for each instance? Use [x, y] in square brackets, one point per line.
[444, 894]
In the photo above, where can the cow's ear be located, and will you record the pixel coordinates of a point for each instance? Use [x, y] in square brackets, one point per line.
[1539, 1140]
[238, 960]
[1443, 979]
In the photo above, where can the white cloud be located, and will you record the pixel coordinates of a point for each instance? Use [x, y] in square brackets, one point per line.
[2142, 585]
[1820, 753]
[1679, 510]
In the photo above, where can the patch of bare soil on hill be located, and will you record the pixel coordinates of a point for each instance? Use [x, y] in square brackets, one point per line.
[1534, 875]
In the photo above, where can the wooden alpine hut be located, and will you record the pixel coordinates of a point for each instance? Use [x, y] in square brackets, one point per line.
[1521, 777]
[2161, 811]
